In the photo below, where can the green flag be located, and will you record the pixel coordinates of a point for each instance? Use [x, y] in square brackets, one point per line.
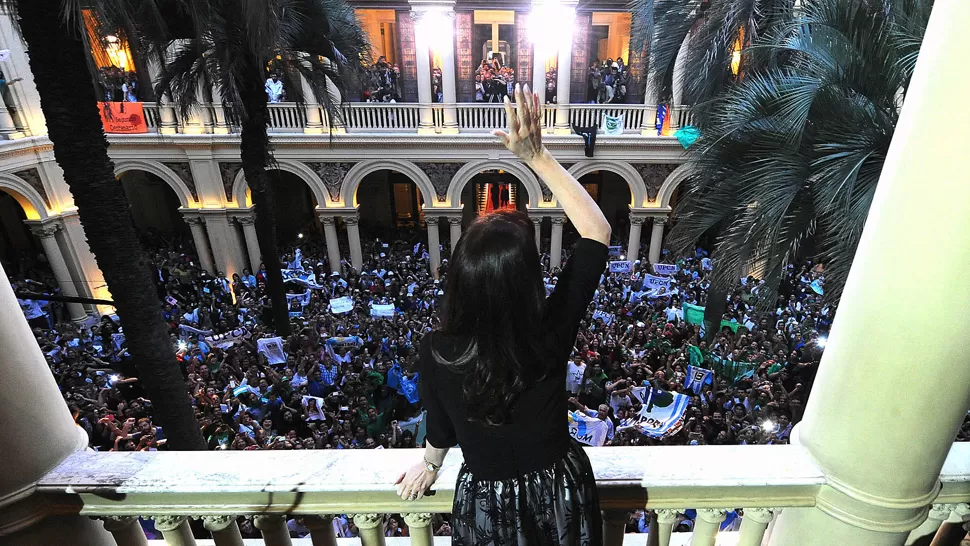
[732, 324]
[693, 314]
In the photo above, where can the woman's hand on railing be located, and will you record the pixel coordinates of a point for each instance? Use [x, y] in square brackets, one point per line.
[412, 485]
[524, 137]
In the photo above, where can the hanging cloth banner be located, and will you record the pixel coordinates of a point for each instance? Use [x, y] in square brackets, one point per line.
[625, 266]
[382, 310]
[588, 430]
[607, 318]
[341, 305]
[697, 378]
[589, 138]
[126, 118]
[612, 125]
[693, 314]
[662, 414]
[651, 282]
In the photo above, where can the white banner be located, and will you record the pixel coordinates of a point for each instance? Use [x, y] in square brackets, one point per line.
[341, 305]
[612, 125]
[224, 341]
[651, 282]
[625, 266]
[607, 318]
[272, 347]
[587, 430]
[382, 310]
[662, 414]
[616, 250]
[665, 269]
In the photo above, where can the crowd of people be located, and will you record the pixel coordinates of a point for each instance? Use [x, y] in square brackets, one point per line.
[493, 81]
[345, 377]
[382, 82]
[608, 81]
[118, 85]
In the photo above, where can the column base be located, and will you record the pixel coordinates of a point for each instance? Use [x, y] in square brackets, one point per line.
[317, 130]
[427, 131]
[449, 130]
[562, 130]
[648, 131]
[220, 131]
[338, 131]
[14, 135]
[167, 131]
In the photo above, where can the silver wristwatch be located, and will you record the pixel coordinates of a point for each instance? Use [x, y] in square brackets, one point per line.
[430, 466]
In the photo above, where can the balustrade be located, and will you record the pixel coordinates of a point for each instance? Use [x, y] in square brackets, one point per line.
[174, 488]
[152, 116]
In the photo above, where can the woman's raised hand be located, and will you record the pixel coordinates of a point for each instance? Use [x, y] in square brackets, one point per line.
[524, 137]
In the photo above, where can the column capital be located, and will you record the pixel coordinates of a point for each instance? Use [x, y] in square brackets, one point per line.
[661, 220]
[328, 220]
[45, 231]
[667, 516]
[268, 521]
[116, 523]
[194, 220]
[637, 220]
[217, 523]
[352, 220]
[454, 220]
[246, 220]
[758, 515]
[558, 220]
[167, 524]
[368, 521]
[959, 513]
[712, 515]
[417, 519]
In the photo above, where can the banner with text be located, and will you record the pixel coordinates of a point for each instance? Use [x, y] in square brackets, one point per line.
[665, 269]
[625, 266]
[662, 414]
[587, 430]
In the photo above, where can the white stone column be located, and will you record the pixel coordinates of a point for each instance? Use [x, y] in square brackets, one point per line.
[226, 247]
[371, 528]
[8, 130]
[563, 79]
[353, 236]
[21, 84]
[419, 526]
[201, 240]
[648, 127]
[877, 501]
[537, 222]
[321, 530]
[74, 243]
[633, 246]
[248, 224]
[126, 530]
[225, 531]
[273, 528]
[555, 249]
[937, 515]
[314, 119]
[753, 525]
[175, 529]
[454, 224]
[448, 75]
[539, 58]
[434, 242]
[42, 438]
[333, 248]
[422, 54]
[656, 239]
[47, 235]
[706, 525]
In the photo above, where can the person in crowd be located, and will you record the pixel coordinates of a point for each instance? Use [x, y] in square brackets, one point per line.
[493, 373]
[274, 89]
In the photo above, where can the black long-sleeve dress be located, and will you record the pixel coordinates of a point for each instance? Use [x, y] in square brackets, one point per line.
[526, 483]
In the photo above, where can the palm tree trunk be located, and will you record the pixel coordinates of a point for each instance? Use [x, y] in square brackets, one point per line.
[713, 312]
[254, 152]
[58, 60]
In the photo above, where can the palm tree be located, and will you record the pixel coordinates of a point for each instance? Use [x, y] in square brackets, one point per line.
[229, 45]
[794, 147]
[59, 63]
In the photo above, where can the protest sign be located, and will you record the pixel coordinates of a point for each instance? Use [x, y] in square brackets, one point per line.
[625, 266]
[382, 310]
[665, 269]
[123, 117]
[272, 347]
[662, 414]
[341, 305]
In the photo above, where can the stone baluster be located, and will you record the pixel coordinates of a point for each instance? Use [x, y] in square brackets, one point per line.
[937, 515]
[321, 530]
[273, 528]
[706, 525]
[353, 235]
[371, 528]
[666, 519]
[125, 530]
[175, 529]
[753, 525]
[954, 529]
[419, 526]
[555, 250]
[225, 531]
[614, 526]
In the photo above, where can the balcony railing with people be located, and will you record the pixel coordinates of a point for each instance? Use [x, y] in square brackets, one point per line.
[219, 486]
[361, 117]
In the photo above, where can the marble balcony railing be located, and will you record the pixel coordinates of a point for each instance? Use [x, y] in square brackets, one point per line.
[216, 487]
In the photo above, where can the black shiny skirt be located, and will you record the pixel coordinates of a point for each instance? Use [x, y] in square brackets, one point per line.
[555, 506]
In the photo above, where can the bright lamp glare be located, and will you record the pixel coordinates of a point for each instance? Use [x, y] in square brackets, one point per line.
[768, 425]
[300, 235]
[112, 379]
[551, 26]
[182, 345]
[435, 27]
[821, 342]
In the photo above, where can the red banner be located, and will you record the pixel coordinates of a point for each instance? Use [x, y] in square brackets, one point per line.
[123, 117]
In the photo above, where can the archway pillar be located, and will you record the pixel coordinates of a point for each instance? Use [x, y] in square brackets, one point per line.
[537, 221]
[47, 233]
[434, 241]
[226, 247]
[564, 75]
[201, 240]
[352, 222]
[248, 223]
[633, 245]
[656, 238]
[329, 222]
[89, 280]
[555, 248]
[857, 406]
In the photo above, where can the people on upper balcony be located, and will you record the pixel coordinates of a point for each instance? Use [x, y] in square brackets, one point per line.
[274, 89]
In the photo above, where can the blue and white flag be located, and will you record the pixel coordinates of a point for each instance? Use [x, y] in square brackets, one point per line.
[612, 125]
[417, 248]
[272, 347]
[625, 266]
[661, 117]
[304, 278]
[816, 287]
[186, 331]
[616, 250]
[587, 430]
[297, 262]
[697, 378]
[341, 305]
[607, 318]
[382, 310]
[665, 269]
[224, 341]
[662, 414]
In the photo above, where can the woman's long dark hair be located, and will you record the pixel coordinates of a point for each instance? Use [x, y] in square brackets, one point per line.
[495, 297]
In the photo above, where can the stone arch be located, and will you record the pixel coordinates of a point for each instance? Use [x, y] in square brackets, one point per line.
[638, 192]
[240, 189]
[167, 175]
[348, 189]
[515, 168]
[671, 183]
[31, 201]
